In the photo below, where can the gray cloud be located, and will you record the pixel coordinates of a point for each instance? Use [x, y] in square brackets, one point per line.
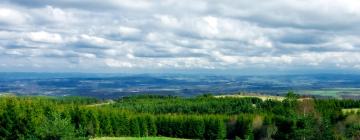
[111, 35]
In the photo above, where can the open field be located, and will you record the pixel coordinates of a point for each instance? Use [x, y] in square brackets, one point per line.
[351, 110]
[136, 138]
[262, 97]
[332, 92]
[102, 104]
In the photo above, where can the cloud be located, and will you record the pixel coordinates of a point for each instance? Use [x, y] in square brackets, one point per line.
[192, 35]
[53, 15]
[128, 31]
[119, 64]
[12, 17]
[45, 37]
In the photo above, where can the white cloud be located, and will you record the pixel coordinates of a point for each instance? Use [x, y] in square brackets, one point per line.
[45, 37]
[8, 35]
[133, 4]
[53, 16]
[168, 20]
[128, 31]
[118, 64]
[12, 16]
[86, 55]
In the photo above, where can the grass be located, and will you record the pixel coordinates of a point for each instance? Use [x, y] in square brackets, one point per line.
[136, 138]
[332, 92]
[102, 104]
[351, 110]
[262, 97]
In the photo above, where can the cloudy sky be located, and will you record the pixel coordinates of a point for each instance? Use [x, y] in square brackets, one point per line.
[241, 36]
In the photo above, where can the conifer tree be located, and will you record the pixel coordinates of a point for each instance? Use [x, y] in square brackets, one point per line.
[152, 126]
[134, 127]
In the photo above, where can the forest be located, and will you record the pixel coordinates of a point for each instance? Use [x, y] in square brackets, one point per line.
[201, 117]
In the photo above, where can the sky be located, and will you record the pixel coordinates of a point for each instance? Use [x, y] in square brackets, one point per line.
[230, 36]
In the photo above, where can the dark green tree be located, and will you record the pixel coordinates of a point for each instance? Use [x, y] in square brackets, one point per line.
[56, 128]
[151, 125]
[134, 127]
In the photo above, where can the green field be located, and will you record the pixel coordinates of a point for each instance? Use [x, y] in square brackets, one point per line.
[351, 110]
[262, 97]
[136, 138]
[332, 92]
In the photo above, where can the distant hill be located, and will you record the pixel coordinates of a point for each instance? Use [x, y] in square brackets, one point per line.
[119, 85]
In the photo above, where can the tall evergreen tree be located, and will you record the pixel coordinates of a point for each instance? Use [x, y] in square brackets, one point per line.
[134, 127]
[151, 126]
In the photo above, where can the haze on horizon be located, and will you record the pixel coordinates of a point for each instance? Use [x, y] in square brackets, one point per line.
[249, 36]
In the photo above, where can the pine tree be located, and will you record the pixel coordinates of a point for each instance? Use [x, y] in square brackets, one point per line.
[8, 120]
[196, 127]
[221, 131]
[152, 126]
[121, 125]
[143, 124]
[244, 127]
[134, 127]
[56, 127]
[105, 124]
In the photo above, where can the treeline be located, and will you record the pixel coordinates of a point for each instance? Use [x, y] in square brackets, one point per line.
[203, 117]
[200, 105]
[45, 118]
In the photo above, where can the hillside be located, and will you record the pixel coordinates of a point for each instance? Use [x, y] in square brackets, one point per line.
[155, 117]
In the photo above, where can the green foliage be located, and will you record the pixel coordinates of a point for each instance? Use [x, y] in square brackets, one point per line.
[305, 128]
[105, 124]
[151, 124]
[244, 129]
[144, 132]
[291, 95]
[120, 123]
[353, 131]
[55, 127]
[195, 127]
[134, 127]
[214, 128]
[200, 105]
[204, 117]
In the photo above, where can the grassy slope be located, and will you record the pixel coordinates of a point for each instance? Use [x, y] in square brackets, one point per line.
[101, 104]
[351, 110]
[332, 92]
[262, 97]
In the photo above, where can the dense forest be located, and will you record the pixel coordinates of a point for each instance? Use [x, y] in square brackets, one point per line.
[202, 117]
